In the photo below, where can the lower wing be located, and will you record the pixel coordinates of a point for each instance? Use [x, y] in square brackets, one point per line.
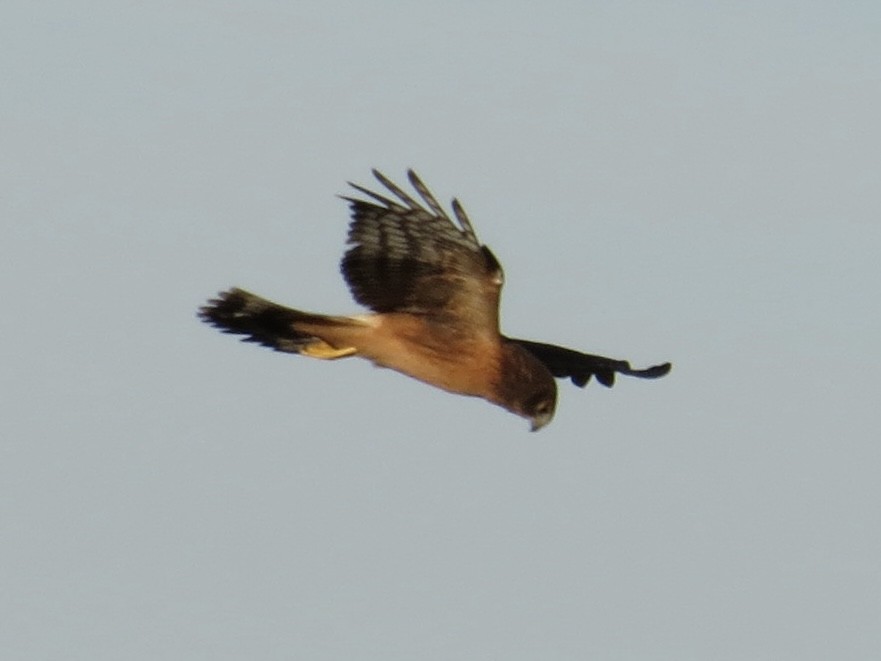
[567, 363]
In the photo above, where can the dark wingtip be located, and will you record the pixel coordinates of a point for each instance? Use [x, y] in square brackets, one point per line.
[606, 377]
[653, 372]
[382, 178]
[581, 380]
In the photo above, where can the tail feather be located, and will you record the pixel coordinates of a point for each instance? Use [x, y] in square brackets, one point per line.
[269, 324]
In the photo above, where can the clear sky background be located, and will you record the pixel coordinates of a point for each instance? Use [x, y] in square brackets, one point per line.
[690, 181]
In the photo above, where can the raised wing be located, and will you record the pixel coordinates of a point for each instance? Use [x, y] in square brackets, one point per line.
[412, 257]
[580, 367]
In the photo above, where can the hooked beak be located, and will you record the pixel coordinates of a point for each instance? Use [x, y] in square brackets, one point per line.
[540, 421]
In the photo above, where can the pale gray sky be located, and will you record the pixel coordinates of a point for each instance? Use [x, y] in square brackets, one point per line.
[695, 182]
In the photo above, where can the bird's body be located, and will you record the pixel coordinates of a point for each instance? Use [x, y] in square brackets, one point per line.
[434, 294]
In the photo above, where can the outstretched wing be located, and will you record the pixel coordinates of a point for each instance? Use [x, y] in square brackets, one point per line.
[412, 257]
[579, 367]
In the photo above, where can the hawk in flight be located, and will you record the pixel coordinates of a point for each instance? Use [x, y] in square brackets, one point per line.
[434, 291]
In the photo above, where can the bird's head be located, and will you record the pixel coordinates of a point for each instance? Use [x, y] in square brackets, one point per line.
[539, 407]
[526, 387]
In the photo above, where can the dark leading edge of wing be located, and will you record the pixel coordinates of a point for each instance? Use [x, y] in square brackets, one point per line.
[567, 363]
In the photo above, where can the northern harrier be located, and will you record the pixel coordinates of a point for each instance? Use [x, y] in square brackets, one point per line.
[434, 291]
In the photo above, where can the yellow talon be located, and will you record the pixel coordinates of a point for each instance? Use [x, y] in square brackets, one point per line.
[324, 351]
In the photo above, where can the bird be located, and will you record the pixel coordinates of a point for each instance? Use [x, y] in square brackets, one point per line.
[432, 290]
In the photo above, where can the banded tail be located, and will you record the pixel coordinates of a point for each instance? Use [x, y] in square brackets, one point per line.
[280, 328]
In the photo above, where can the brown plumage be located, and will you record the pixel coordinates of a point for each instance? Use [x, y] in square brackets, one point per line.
[434, 291]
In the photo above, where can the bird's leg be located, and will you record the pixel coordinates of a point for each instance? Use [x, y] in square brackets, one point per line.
[321, 349]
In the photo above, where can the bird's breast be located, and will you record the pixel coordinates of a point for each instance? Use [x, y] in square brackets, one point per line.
[448, 358]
